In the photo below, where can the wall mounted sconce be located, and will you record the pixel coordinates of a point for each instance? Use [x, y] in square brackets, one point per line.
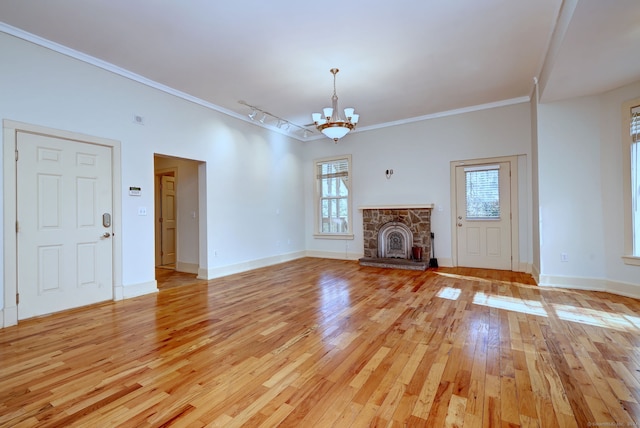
[389, 173]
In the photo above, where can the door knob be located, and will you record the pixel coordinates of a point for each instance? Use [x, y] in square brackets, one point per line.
[106, 235]
[459, 224]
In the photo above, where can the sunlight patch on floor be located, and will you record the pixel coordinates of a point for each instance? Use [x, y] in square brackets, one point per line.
[597, 318]
[510, 304]
[449, 293]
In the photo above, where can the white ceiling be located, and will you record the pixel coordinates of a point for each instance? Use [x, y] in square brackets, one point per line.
[398, 60]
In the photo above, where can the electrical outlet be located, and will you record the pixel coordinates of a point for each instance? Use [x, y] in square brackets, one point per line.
[564, 257]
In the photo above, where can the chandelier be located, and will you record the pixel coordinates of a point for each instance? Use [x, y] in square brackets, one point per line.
[329, 122]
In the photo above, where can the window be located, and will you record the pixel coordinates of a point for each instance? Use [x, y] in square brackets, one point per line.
[483, 192]
[333, 197]
[631, 159]
[635, 179]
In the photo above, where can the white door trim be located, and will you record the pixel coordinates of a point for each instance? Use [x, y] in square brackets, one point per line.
[515, 223]
[9, 144]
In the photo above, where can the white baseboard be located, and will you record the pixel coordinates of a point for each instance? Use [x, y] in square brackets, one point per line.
[135, 290]
[187, 267]
[576, 283]
[333, 255]
[591, 284]
[626, 289]
[250, 265]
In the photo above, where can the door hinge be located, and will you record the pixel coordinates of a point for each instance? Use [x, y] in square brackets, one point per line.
[17, 227]
[17, 298]
[16, 155]
[160, 220]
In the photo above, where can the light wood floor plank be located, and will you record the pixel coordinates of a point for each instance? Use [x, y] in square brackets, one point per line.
[329, 343]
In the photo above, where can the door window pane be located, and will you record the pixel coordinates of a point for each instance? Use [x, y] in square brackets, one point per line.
[483, 194]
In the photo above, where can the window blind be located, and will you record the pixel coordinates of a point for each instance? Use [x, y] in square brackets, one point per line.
[483, 193]
[333, 169]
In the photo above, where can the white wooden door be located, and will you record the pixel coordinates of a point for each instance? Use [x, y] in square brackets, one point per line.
[483, 215]
[65, 251]
[168, 219]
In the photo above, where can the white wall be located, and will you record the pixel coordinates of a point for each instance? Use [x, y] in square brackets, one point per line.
[254, 198]
[570, 188]
[420, 154]
[581, 199]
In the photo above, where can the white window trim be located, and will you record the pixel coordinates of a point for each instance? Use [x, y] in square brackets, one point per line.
[628, 257]
[316, 201]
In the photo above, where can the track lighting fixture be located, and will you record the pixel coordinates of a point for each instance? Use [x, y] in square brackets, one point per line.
[281, 123]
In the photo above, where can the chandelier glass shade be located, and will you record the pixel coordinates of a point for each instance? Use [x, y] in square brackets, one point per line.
[330, 122]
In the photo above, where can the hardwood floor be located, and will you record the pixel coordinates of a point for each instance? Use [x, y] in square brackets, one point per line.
[324, 343]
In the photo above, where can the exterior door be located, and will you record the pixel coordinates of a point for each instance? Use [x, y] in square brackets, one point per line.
[64, 231]
[168, 219]
[483, 215]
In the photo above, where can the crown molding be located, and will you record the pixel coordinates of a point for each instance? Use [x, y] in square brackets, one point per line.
[446, 113]
[80, 56]
[64, 50]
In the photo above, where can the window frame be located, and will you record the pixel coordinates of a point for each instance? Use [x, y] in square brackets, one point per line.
[629, 257]
[317, 216]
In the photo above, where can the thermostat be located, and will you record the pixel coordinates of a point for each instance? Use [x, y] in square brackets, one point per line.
[135, 191]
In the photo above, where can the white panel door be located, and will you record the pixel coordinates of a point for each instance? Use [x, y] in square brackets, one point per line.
[483, 215]
[65, 250]
[168, 219]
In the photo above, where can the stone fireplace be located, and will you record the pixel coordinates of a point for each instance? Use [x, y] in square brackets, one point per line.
[390, 232]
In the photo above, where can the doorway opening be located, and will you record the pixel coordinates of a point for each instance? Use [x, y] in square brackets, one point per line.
[177, 217]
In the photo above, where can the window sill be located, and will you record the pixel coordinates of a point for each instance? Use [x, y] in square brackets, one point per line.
[333, 236]
[631, 260]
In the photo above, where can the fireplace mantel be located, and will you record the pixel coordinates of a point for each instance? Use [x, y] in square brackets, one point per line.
[396, 207]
